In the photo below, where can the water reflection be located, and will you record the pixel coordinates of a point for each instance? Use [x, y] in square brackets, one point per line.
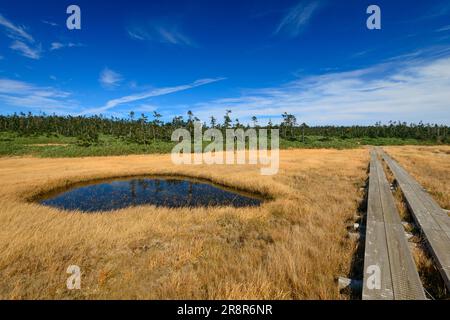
[167, 192]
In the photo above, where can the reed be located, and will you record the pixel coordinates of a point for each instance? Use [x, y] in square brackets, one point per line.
[292, 247]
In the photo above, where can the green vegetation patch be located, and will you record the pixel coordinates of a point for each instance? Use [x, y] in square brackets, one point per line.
[57, 146]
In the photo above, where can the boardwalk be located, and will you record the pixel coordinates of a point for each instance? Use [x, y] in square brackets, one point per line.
[389, 269]
[433, 222]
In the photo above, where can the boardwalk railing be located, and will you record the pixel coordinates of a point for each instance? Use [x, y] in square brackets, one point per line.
[389, 269]
[433, 222]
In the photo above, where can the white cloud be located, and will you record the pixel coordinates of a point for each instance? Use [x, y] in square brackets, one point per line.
[25, 95]
[138, 34]
[51, 23]
[444, 28]
[13, 31]
[23, 42]
[173, 36]
[109, 78]
[297, 18]
[59, 45]
[411, 90]
[162, 32]
[149, 94]
[56, 46]
[438, 10]
[26, 51]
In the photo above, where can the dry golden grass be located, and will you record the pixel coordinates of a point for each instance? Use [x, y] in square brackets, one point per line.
[430, 166]
[291, 248]
[427, 165]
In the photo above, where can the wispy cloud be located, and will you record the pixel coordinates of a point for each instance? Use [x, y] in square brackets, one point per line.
[149, 94]
[361, 53]
[297, 18]
[23, 42]
[27, 51]
[162, 32]
[438, 10]
[13, 31]
[109, 78]
[173, 36]
[445, 28]
[136, 33]
[50, 23]
[409, 90]
[58, 45]
[422, 54]
[26, 95]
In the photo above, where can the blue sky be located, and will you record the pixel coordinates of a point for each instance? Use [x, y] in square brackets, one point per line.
[313, 58]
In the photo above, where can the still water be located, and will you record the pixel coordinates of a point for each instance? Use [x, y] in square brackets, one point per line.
[162, 192]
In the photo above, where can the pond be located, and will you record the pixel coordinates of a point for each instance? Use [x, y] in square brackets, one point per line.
[169, 192]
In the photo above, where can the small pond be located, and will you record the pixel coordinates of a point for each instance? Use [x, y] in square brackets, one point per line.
[169, 192]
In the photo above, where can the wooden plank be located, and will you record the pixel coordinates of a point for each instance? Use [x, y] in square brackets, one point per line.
[376, 253]
[417, 191]
[440, 216]
[376, 214]
[431, 219]
[405, 278]
[386, 247]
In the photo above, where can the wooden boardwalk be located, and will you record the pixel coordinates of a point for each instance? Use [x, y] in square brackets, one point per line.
[389, 269]
[433, 222]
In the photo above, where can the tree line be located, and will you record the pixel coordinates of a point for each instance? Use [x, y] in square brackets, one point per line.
[142, 129]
